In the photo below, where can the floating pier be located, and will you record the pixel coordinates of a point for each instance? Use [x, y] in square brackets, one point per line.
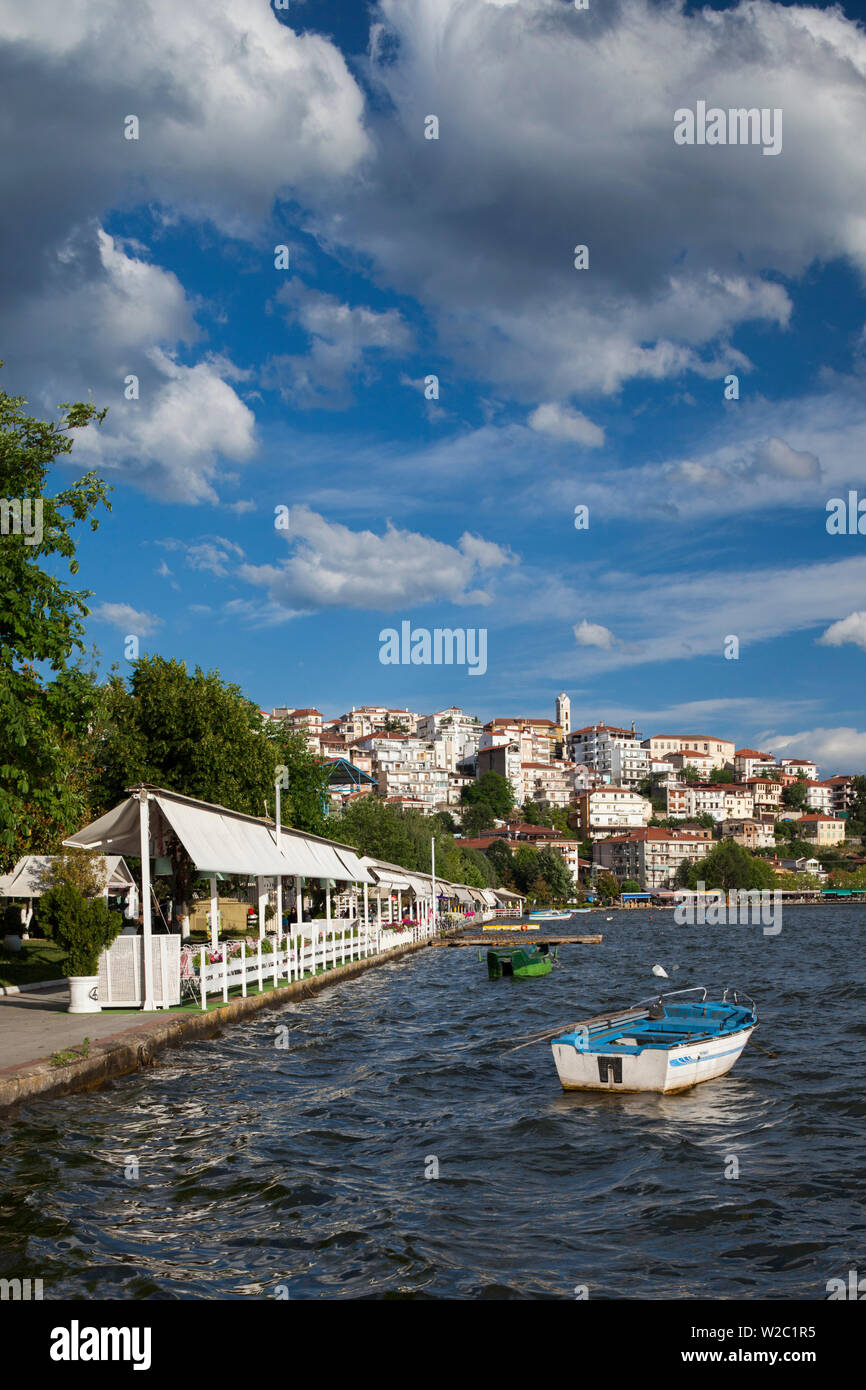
[490, 940]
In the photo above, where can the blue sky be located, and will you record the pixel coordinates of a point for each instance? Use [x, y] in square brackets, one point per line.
[304, 387]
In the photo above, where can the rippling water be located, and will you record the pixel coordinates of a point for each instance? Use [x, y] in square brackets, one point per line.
[302, 1170]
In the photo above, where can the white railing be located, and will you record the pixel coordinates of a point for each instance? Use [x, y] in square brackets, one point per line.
[320, 946]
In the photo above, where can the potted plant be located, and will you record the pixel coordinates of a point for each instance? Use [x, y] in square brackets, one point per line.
[74, 915]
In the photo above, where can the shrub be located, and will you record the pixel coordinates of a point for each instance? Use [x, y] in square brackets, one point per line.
[80, 924]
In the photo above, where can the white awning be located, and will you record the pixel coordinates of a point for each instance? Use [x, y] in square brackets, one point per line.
[218, 839]
[32, 875]
[489, 897]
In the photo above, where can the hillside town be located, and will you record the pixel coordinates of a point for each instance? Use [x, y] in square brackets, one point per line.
[604, 797]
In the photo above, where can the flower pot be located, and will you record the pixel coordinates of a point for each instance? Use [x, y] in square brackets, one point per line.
[83, 994]
[12, 942]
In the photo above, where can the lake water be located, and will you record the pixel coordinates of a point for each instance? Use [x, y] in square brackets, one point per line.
[240, 1169]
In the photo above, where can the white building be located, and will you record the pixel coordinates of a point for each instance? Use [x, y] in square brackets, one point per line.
[722, 803]
[630, 763]
[799, 765]
[595, 743]
[748, 763]
[606, 809]
[721, 750]
[563, 715]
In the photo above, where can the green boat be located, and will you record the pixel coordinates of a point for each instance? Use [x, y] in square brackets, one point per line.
[523, 962]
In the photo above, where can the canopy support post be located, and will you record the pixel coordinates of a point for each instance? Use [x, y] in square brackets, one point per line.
[146, 910]
[214, 913]
[299, 920]
[263, 902]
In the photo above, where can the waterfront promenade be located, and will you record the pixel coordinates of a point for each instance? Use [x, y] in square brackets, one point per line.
[35, 1028]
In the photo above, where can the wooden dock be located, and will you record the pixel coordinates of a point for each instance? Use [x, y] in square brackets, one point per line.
[517, 939]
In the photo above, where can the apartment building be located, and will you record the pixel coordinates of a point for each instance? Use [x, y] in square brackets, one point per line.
[730, 802]
[767, 795]
[422, 784]
[819, 797]
[842, 793]
[630, 763]
[721, 750]
[824, 830]
[799, 767]
[606, 809]
[537, 737]
[595, 743]
[550, 784]
[700, 763]
[651, 855]
[505, 759]
[748, 763]
[751, 834]
[455, 736]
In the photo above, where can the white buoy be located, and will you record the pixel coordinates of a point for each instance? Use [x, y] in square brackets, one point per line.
[661, 972]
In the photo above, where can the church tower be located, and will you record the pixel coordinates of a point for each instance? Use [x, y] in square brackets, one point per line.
[563, 714]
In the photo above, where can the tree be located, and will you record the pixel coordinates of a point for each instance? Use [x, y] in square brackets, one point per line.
[524, 868]
[477, 817]
[722, 776]
[607, 887]
[500, 857]
[795, 795]
[555, 873]
[46, 702]
[493, 789]
[194, 734]
[729, 865]
[630, 885]
[377, 829]
[302, 803]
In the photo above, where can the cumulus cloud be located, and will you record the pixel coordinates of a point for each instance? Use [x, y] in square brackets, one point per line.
[588, 634]
[345, 342]
[172, 442]
[333, 566]
[538, 152]
[560, 422]
[836, 750]
[126, 618]
[851, 629]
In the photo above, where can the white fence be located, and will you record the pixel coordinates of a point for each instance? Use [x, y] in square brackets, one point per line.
[318, 947]
[121, 969]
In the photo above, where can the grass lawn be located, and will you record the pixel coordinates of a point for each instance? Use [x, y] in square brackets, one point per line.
[37, 960]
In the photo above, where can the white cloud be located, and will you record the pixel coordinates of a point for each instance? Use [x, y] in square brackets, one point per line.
[126, 618]
[560, 422]
[539, 152]
[171, 442]
[345, 342]
[332, 566]
[593, 635]
[851, 629]
[835, 750]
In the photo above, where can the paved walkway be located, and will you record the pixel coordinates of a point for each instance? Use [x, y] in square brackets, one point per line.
[36, 1025]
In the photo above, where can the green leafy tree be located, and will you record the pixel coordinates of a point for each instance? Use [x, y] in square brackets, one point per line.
[302, 803]
[630, 885]
[500, 857]
[46, 701]
[794, 795]
[493, 789]
[729, 865]
[190, 733]
[477, 818]
[607, 887]
[555, 873]
[524, 868]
